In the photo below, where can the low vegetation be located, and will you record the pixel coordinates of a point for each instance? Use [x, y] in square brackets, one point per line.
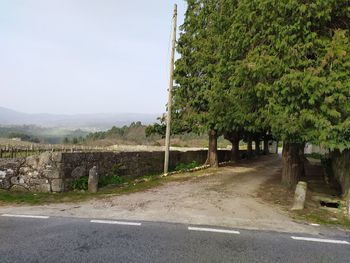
[280, 196]
[185, 167]
[138, 134]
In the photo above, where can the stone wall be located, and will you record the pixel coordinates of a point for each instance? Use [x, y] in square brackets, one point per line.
[53, 172]
[341, 169]
[39, 173]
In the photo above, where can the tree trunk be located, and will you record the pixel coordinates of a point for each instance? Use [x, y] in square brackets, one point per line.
[293, 164]
[250, 147]
[233, 137]
[235, 149]
[257, 147]
[266, 146]
[212, 158]
[302, 159]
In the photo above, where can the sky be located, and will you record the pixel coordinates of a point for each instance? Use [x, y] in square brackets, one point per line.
[85, 56]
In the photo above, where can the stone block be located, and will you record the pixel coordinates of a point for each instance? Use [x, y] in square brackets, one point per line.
[57, 185]
[33, 161]
[25, 170]
[56, 157]
[17, 180]
[78, 172]
[44, 159]
[34, 182]
[41, 188]
[300, 196]
[51, 173]
[19, 188]
[93, 180]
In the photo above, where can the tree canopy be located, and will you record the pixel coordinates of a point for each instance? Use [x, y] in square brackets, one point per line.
[266, 67]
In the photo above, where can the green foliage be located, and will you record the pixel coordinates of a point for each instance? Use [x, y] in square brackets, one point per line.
[258, 67]
[195, 68]
[136, 133]
[156, 129]
[110, 180]
[80, 184]
[292, 54]
[188, 166]
[24, 137]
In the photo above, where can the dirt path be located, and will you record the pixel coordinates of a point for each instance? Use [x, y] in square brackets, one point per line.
[227, 198]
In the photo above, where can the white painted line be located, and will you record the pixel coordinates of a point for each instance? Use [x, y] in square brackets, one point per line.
[314, 224]
[26, 216]
[115, 222]
[321, 240]
[213, 230]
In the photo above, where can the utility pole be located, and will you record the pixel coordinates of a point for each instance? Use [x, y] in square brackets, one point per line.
[171, 83]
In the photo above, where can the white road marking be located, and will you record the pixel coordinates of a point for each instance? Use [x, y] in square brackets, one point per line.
[213, 230]
[26, 216]
[333, 241]
[115, 222]
[314, 224]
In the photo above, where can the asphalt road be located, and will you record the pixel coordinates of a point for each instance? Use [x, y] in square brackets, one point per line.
[54, 239]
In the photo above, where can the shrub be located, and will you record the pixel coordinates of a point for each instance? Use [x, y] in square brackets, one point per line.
[188, 166]
[112, 178]
[80, 184]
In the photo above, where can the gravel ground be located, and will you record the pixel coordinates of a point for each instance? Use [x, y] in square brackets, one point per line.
[227, 197]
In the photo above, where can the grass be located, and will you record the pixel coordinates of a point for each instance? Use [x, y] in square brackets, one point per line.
[276, 194]
[187, 166]
[323, 217]
[127, 187]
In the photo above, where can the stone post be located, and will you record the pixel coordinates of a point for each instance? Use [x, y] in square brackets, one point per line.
[93, 180]
[300, 196]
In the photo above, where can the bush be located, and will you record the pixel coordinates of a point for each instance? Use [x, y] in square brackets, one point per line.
[112, 178]
[80, 184]
[188, 166]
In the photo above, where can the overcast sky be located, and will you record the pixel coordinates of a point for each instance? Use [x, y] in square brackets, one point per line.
[85, 56]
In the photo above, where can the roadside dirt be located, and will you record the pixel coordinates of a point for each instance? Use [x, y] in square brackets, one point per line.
[228, 198]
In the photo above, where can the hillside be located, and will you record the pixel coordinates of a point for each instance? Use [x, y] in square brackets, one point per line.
[135, 134]
[93, 122]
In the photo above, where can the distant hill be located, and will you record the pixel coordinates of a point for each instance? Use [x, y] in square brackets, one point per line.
[98, 121]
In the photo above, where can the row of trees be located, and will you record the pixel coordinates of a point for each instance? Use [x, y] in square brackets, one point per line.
[262, 69]
[116, 131]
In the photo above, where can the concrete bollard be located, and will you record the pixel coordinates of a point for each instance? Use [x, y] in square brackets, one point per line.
[300, 196]
[93, 180]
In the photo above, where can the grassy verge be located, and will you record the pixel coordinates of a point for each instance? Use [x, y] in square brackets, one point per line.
[323, 217]
[128, 186]
[274, 193]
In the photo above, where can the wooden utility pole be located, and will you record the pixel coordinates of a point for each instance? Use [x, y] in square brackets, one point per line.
[171, 83]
